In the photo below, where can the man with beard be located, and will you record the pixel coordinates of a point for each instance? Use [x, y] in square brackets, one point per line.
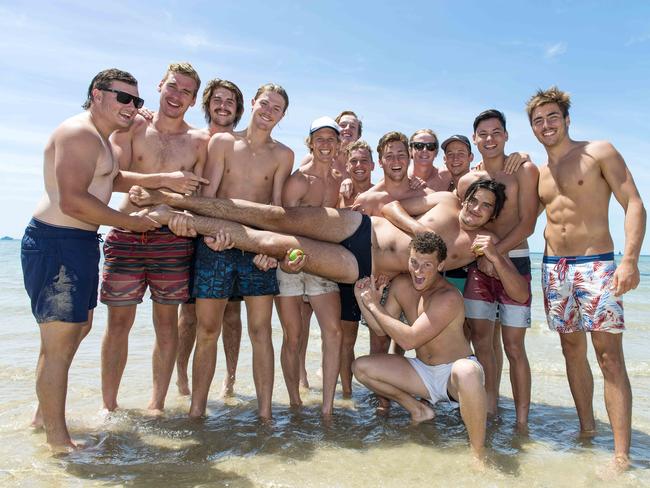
[223, 106]
[169, 153]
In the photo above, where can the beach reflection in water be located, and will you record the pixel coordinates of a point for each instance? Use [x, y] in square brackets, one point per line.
[357, 448]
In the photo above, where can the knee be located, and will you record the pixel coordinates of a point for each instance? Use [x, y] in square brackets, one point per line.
[516, 351]
[611, 363]
[208, 329]
[291, 343]
[467, 375]
[259, 334]
[360, 367]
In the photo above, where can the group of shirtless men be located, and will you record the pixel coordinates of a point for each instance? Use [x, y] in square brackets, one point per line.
[450, 242]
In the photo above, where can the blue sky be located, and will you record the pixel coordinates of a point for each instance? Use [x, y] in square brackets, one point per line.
[399, 65]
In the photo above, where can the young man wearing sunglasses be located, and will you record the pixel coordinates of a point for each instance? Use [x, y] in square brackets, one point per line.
[60, 249]
[162, 152]
[423, 145]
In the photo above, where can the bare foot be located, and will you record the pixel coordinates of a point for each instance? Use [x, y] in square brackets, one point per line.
[183, 386]
[346, 394]
[521, 428]
[160, 213]
[422, 412]
[64, 446]
[155, 412]
[228, 388]
[479, 461]
[613, 469]
[37, 419]
[142, 198]
[303, 384]
[587, 434]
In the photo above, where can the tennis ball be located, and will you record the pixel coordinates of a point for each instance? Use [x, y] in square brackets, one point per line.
[295, 254]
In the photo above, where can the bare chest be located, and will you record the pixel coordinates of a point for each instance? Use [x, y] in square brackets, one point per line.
[154, 151]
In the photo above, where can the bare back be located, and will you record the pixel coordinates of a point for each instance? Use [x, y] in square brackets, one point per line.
[74, 134]
[576, 197]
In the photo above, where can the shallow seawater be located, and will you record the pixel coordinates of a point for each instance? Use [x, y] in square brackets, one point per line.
[356, 448]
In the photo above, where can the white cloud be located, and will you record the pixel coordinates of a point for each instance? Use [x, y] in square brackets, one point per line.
[555, 50]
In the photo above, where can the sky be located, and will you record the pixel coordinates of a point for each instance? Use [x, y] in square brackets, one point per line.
[399, 65]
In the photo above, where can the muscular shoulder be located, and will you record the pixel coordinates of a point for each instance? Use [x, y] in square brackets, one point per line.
[447, 298]
[77, 130]
[282, 153]
[601, 151]
[527, 170]
[222, 140]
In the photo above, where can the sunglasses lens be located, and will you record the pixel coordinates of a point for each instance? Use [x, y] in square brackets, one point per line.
[126, 98]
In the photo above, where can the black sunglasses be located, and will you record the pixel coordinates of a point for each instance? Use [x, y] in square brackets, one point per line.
[125, 98]
[431, 146]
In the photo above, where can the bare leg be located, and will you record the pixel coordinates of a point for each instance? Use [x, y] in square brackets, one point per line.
[466, 385]
[209, 314]
[165, 322]
[231, 338]
[393, 377]
[618, 394]
[186, 338]
[323, 224]
[498, 355]
[331, 261]
[259, 311]
[515, 346]
[291, 320]
[380, 345]
[482, 332]
[305, 312]
[59, 343]
[115, 350]
[328, 312]
[350, 331]
[581, 382]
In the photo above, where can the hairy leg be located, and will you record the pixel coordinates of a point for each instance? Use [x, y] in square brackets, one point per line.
[515, 346]
[581, 381]
[165, 322]
[618, 393]
[291, 321]
[259, 311]
[209, 314]
[482, 332]
[327, 308]
[231, 338]
[186, 338]
[115, 349]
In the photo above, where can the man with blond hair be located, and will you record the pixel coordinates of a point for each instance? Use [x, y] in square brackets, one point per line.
[161, 152]
[582, 284]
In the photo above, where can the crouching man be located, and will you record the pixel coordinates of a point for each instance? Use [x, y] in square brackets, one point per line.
[445, 368]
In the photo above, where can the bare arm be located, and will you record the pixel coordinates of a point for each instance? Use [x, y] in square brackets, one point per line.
[527, 204]
[281, 175]
[620, 180]
[76, 154]
[215, 164]
[513, 283]
[395, 213]
[294, 190]
[438, 315]
[391, 307]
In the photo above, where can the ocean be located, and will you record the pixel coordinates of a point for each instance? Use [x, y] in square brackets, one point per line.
[356, 449]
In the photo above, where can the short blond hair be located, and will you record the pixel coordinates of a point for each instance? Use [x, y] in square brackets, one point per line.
[551, 95]
[184, 68]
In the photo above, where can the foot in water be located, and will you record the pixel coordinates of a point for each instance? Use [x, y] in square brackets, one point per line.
[422, 412]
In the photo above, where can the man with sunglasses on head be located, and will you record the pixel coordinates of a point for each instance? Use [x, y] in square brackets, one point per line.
[162, 152]
[60, 248]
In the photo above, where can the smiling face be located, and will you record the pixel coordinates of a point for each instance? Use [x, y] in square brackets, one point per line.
[424, 269]
[323, 144]
[423, 156]
[268, 110]
[457, 158]
[120, 114]
[177, 94]
[349, 129]
[223, 107]
[490, 138]
[549, 125]
[477, 209]
[395, 161]
[360, 165]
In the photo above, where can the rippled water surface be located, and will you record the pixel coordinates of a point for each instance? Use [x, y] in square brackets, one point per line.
[297, 449]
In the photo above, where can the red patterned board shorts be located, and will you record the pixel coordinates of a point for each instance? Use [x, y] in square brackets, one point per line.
[157, 258]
